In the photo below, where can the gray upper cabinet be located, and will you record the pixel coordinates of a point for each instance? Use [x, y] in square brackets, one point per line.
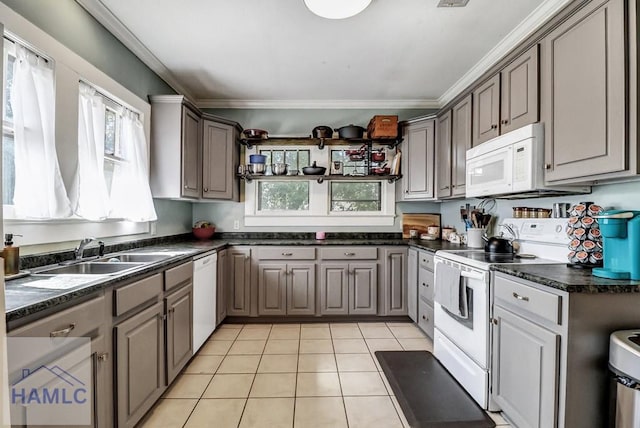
[418, 160]
[239, 282]
[395, 281]
[179, 308]
[486, 111]
[194, 155]
[584, 90]
[191, 166]
[519, 103]
[443, 155]
[220, 159]
[461, 119]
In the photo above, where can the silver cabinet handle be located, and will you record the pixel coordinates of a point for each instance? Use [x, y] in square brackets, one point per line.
[494, 126]
[519, 297]
[287, 254]
[206, 190]
[547, 166]
[425, 318]
[425, 284]
[103, 357]
[63, 332]
[349, 254]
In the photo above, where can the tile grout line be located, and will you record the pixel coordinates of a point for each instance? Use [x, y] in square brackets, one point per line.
[246, 402]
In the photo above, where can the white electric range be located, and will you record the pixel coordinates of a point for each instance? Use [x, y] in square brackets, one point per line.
[462, 341]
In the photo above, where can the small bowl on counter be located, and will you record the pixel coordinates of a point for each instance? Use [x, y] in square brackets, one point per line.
[203, 232]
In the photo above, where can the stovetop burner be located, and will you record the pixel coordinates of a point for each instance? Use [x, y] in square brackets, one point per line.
[482, 259]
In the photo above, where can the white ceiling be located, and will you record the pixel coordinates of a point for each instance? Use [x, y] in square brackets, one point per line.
[259, 53]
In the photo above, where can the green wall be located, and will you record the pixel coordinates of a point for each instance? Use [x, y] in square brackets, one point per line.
[71, 25]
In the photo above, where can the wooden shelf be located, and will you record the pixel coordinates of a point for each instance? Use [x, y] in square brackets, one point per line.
[320, 142]
[321, 178]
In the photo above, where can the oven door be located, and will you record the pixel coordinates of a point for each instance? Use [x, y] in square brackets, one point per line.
[490, 173]
[470, 334]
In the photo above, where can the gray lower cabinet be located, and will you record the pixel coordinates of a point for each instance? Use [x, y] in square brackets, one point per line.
[221, 285]
[349, 288]
[525, 362]
[140, 364]
[179, 310]
[395, 281]
[239, 282]
[425, 285]
[272, 289]
[417, 160]
[583, 75]
[486, 111]
[301, 289]
[412, 284]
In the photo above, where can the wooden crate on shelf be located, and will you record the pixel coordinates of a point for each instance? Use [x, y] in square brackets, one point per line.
[383, 127]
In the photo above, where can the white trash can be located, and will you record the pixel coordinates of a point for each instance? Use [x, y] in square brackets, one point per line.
[624, 362]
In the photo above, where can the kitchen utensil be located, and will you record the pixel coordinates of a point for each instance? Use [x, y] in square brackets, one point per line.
[350, 131]
[496, 245]
[486, 219]
[255, 133]
[292, 172]
[257, 159]
[433, 230]
[560, 210]
[427, 237]
[322, 131]
[256, 168]
[314, 169]
[378, 156]
[279, 168]
[380, 170]
[446, 232]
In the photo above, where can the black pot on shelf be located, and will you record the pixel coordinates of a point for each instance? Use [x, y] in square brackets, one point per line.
[350, 131]
[322, 132]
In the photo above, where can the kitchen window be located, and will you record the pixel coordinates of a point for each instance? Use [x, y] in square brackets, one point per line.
[356, 196]
[8, 149]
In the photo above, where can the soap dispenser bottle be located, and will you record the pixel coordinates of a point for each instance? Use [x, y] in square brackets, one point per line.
[11, 255]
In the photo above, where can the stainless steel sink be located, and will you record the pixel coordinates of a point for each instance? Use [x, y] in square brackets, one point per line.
[134, 258]
[89, 268]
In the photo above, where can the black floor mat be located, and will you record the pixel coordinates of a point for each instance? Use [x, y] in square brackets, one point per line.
[429, 396]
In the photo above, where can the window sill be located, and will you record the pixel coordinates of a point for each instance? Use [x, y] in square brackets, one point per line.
[331, 220]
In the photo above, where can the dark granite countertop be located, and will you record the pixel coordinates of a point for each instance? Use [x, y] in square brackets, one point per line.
[568, 279]
[22, 300]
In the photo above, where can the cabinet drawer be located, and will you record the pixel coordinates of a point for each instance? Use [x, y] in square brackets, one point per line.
[520, 296]
[425, 317]
[425, 284]
[132, 295]
[425, 260]
[77, 321]
[286, 253]
[177, 276]
[349, 253]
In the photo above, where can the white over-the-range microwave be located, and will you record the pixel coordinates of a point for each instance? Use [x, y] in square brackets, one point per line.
[511, 166]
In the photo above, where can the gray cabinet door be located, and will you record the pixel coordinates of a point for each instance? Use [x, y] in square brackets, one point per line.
[519, 80]
[525, 369]
[363, 288]
[412, 284]
[443, 155]
[221, 285]
[486, 110]
[179, 306]
[239, 282]
[334, 288]
[139, 364]
[395, 281]
[191, 161]
[219, 161]
[461, 119]
[583, 93]
[425, 317]
[301, 289]
[272, 289]
[418, 159]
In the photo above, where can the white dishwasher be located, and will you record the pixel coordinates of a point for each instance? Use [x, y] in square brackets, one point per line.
[204, 297]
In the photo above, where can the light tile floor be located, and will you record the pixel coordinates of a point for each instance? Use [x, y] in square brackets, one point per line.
[290, 375]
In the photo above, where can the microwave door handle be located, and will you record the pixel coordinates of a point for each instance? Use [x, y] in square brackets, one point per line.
[472, 275]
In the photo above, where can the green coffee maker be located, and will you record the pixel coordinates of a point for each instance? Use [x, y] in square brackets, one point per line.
[621, 244]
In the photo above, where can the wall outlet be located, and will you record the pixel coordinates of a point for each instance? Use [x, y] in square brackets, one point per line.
[236, 224]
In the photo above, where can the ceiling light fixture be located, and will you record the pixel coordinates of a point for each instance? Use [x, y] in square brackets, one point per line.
[336, 9]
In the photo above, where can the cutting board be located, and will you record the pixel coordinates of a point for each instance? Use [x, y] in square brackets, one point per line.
[420, 222]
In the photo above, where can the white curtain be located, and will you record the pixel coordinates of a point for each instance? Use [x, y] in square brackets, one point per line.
[39, 190]
[130, 192]
[89, 193]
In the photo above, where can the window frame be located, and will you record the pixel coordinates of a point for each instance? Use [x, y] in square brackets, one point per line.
[319, 213]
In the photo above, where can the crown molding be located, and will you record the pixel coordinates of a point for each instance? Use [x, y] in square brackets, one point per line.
[318, 104]
[531, 23]
[105, 17]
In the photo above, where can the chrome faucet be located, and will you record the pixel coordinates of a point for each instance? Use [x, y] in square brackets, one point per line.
[79, 251]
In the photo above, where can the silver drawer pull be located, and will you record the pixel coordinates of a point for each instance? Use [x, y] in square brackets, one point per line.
[519, 297]
[63, 332]
[287, 254]
[349, 254]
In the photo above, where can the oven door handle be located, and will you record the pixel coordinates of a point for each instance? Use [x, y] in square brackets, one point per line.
[472, 275]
